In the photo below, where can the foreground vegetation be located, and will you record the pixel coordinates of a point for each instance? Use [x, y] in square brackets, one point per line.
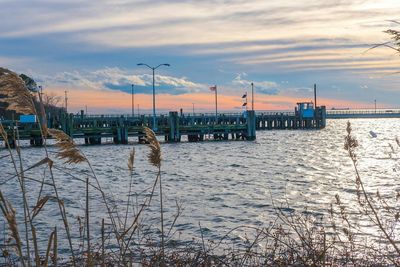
[291, 239]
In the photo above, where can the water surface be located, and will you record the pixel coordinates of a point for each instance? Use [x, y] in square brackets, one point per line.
[221, 185]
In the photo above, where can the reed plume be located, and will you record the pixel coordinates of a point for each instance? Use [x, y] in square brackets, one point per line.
[15, 92]
[395, 35]
[67, 148]
[155, 149]
[131, 159]
[350, 143]
[154, 158]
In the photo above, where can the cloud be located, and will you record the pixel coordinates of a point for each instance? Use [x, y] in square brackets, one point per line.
[143, 23]
[295, 41]
[302, 92]
[121, 80]
[257, 32]
[263, 87]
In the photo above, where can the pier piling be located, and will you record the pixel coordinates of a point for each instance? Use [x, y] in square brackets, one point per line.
[251, 125]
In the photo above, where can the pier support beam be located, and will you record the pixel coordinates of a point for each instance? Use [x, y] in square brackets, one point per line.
[92, 140]
[68, 124]
[173, 123]
[11, 142]
[95, 140]
[121, 136]
[36, 141]
[142, 139]
[323, 117]
[194, 137]
[251, 124]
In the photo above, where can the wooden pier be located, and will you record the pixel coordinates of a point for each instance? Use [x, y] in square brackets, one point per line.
[173, 126]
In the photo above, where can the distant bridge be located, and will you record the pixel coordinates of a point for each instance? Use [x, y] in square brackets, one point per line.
[362, 113]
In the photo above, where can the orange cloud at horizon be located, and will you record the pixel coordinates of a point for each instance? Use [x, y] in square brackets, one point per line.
[98, 101]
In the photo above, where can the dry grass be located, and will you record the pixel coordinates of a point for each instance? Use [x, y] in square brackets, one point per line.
[66, 147]
[17, 95]
[384, 216]
[3, 134]
[9, 214]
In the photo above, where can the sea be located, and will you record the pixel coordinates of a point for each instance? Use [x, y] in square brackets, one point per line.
[212, 190]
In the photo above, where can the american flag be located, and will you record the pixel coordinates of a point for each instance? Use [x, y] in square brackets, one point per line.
[213, 88]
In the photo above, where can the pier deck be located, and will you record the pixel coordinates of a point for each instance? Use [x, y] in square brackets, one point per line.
[235, 126]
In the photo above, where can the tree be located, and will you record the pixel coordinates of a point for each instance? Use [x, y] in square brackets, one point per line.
[51, 101]
[29, 82]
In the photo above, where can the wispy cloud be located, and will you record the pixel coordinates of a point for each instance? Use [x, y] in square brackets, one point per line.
[263, 87]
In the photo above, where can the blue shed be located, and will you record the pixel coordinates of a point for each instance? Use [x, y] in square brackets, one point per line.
[27, 118]
[305, 109]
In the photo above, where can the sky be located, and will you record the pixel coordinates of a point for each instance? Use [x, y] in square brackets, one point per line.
[91, 50]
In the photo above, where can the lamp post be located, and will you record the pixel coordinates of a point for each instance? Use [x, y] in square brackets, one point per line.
[66, 101]
[154, 91]
[252, 96]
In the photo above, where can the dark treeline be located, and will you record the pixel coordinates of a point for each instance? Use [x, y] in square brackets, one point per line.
[51, 102]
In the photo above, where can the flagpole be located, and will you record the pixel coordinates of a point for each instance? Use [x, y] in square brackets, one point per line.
[252, 96]
[246, 101]
[216, 104]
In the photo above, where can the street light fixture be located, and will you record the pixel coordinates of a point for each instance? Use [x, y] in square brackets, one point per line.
[154, 91]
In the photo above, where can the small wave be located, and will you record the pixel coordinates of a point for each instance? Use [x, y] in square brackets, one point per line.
[235, 165]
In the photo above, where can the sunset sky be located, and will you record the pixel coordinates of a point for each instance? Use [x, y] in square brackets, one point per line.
[92, 48]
